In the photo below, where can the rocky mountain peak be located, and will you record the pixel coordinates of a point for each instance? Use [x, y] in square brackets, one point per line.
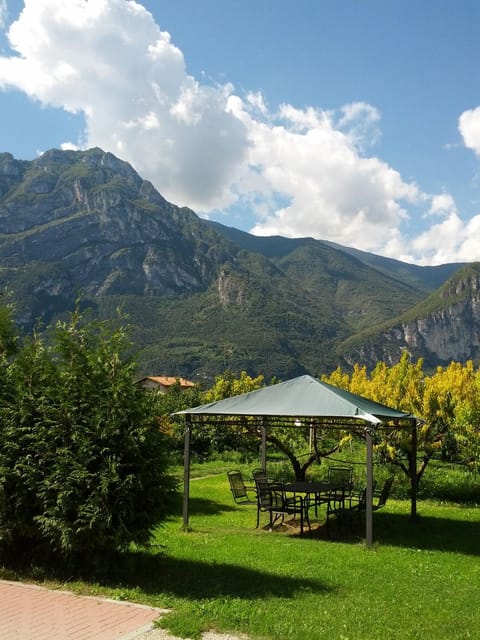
[85, 223]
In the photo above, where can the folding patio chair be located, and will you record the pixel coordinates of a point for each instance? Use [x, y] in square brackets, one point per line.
[242, 494]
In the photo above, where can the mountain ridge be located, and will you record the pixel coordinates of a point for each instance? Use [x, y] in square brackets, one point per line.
[202, 297]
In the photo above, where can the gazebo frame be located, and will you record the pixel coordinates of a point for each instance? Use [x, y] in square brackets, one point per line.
[308, 401]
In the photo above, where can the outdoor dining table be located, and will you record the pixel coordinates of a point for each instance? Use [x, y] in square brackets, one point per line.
[316, 488]
[315, 492]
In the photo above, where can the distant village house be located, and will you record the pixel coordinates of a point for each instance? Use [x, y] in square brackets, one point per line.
[162, 383]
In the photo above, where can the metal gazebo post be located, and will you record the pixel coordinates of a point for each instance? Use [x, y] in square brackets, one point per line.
[413, 473]
[186, 469]
[369, 494]
[263, 452]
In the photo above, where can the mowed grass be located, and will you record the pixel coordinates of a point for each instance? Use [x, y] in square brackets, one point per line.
[421, 580]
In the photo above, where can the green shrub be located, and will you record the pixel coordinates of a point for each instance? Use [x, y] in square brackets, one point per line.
[83, 470]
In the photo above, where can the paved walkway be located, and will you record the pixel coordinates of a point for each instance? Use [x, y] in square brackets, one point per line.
[29, 612]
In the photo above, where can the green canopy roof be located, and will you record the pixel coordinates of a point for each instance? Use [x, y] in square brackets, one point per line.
[302, 397]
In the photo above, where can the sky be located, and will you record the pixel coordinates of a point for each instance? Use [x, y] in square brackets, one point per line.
[356, 121]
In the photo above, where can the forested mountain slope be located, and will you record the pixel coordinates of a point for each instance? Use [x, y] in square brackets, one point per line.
[201, 297]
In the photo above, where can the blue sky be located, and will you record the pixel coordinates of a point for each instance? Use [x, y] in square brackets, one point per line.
[353, 121]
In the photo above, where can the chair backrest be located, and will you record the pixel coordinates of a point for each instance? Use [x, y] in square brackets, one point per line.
[340, 477]
[259, 474]
[277, 495]
[237, 486]
[264, 494]
[336, 500]
[385, 492]
[362, 499]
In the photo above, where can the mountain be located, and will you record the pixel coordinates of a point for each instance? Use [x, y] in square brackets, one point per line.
[201, 297]
[443, 327]
[367, 289]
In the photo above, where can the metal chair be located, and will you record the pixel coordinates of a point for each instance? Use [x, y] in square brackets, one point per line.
[273, 499]
[338, 507]
[264, 498]
[359, 503]
[340, 477]
[383, 494]
[259, 474]
[242, 494]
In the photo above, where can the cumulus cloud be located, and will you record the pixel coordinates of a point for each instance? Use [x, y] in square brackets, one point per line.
[442, 204]
[360, 121]
[109, 60]
[328, 189]
[298, 172]
[451, 240]
[469, 126]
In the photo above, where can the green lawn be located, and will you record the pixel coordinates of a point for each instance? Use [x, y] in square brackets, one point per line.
[421, 580]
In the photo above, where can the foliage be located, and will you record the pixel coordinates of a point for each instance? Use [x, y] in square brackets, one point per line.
[8, 332]
[82, 462]
[447, 402]
[213, 437]
[166, 404]
[238, 435]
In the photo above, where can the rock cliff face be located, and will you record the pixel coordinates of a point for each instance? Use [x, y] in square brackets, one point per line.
[446, 328]
[110, 230]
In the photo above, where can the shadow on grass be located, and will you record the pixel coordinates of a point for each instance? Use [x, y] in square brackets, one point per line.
[158, 574]
[427, 532]
[203, 506]
[200, 506]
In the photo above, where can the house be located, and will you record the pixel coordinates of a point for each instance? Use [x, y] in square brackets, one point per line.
[162, 383]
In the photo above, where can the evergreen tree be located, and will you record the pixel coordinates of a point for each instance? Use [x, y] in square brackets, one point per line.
[83, 467]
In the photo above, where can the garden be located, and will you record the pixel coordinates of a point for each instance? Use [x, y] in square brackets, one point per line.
[420, 580]
[90, 500]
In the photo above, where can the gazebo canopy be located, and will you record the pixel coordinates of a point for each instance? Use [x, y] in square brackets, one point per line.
[302, 397]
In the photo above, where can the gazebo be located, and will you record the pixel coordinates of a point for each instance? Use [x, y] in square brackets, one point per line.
[300, 401]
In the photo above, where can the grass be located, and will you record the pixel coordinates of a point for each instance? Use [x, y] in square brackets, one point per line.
[421, 580]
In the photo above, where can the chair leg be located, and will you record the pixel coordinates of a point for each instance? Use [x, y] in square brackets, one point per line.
[304, 515]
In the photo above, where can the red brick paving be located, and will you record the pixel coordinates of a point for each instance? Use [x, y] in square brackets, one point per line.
[29, 612]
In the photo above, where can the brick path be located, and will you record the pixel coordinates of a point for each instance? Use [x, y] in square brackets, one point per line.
[29, 612]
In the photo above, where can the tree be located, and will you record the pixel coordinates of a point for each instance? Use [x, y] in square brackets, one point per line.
[455, 396]
[83, 470]
[447, 401]
[166, 404]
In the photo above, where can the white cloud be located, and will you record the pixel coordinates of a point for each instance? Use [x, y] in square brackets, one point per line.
[451, 240]
[469, 126]
[314, 182]
[301, 172]
[110, 60]
[442, 205]
[360, 121]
